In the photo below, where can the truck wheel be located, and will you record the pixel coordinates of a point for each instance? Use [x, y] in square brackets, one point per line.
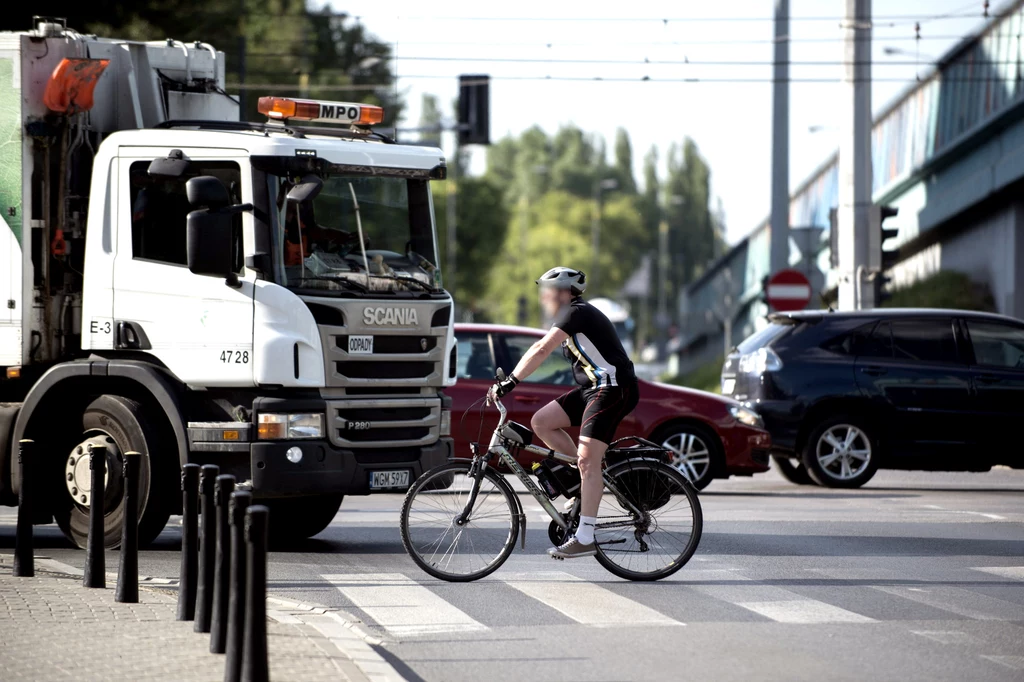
[841, 453]
[301, 517]
[119, 424]
[792, 470]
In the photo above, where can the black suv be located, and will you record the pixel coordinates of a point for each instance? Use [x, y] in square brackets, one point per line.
[844, 394]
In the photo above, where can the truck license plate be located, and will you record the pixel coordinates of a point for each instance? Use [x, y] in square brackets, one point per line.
[380, 480]
[360, 345]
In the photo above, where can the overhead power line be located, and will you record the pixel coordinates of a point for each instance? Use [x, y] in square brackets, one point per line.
[581, 79]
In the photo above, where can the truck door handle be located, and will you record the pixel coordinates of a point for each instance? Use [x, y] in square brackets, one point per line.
[987, 378]
[874, 371]
[525, 399]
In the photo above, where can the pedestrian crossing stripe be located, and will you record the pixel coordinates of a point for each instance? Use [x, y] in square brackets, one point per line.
[405, 607]
[1014, 572]
[401, 605]
[585, 602]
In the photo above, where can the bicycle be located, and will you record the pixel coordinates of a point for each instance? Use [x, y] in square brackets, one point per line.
[470, 505]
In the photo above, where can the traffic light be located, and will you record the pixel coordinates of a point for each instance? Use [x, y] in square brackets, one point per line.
[474, 110]
[833, 237]
[882, 260]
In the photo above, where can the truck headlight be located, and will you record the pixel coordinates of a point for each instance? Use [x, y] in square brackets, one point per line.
[446, 422]
[290, 426]
[746, 416]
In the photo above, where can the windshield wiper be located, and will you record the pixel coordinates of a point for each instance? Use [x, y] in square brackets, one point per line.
[410, 280]
[355, 285]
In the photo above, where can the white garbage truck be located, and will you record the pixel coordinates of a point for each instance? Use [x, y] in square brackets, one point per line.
[263, 296]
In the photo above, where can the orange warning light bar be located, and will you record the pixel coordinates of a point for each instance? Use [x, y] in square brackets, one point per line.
[285, 108]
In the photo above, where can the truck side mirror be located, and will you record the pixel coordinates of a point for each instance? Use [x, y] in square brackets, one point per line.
[173, 166]
[307, 189]
[209, 242]
[206, 191]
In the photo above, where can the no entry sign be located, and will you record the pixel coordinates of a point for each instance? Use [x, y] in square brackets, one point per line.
[788, 290]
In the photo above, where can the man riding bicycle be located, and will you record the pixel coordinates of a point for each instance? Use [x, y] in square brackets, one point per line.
[607, 391]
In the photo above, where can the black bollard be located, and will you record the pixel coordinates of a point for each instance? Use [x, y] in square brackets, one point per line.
[95, 569]
[255, 666]
[24, 561]
[128, 571]
[189, 541]
[222, 567]
[240, 501]
[207, 546]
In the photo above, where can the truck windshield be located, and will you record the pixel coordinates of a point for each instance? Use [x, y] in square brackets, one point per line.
[316, 243]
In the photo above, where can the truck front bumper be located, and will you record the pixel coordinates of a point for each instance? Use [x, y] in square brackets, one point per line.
[325, 469]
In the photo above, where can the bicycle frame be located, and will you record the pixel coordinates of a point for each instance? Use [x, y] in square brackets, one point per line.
[497, 446]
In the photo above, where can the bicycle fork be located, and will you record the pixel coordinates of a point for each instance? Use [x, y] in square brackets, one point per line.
[476, 472]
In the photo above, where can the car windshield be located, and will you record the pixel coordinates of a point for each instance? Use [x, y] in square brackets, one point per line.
[763, 338]
[316, 242]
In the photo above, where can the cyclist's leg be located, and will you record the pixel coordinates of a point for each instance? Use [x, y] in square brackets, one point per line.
[550, 421]
[591, 454]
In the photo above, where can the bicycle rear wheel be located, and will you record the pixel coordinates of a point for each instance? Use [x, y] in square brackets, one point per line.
[662, 540]
[437, 538]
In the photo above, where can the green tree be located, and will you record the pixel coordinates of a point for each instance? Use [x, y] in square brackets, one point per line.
[482, 222]
[691, 227]
[430, 117]
[624, 162]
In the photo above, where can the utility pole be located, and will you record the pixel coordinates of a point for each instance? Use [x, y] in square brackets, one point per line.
[780, 141]
[855, 159]
[242, 115]
[451, 216]
[661, 318]
[595, 225]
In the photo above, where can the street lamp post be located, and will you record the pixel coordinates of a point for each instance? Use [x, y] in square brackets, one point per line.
[595, 226]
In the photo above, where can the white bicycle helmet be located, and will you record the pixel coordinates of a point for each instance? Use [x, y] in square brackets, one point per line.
[565, 278]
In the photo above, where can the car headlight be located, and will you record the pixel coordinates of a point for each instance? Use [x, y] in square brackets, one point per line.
[746, 416]
[290, 426]
[446, 422]
[760, 361]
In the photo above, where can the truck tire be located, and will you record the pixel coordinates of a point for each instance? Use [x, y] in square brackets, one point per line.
[301, 517]
[118, 423]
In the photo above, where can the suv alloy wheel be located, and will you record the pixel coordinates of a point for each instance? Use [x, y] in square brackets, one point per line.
[840, 452]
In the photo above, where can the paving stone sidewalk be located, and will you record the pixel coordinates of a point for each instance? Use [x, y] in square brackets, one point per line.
[52, 628]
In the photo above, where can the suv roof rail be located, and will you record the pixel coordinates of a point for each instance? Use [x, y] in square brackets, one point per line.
[294, 131]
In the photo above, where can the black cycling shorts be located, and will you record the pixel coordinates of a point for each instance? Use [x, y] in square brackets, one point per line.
[599, 411]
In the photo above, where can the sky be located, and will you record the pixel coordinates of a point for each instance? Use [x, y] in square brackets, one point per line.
[573, 42]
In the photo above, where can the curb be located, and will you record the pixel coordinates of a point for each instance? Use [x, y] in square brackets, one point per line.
[343, 630]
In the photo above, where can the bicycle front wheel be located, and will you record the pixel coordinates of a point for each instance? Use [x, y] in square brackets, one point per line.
[662, 538]
[445, 537]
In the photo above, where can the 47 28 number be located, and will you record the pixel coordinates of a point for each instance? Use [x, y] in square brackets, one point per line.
[236, 357]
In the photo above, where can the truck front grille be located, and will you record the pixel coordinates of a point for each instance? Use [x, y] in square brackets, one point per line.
[384, 422]
[354, 369]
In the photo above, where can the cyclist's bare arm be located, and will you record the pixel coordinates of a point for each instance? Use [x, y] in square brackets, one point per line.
[539, 352]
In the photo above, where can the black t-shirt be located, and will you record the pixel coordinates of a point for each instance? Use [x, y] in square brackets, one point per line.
[593, 347]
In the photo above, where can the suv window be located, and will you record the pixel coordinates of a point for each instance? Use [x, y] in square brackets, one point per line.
[160, 208]
[924, 340]
[997, 345]
[877, 344]
[554, 369]
[764, 337]
[474, 357]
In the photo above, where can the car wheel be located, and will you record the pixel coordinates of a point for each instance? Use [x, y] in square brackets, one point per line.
[119, 425]
[841, 453]
[792, 470]
[694, 451]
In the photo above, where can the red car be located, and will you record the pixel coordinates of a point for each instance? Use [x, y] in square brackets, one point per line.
[708, 436]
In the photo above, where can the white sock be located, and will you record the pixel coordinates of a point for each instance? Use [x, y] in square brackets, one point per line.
[585, 531]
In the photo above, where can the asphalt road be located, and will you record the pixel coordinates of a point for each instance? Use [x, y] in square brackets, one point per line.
[917, 576]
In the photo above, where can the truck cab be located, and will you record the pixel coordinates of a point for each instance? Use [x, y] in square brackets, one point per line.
[261, 296]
